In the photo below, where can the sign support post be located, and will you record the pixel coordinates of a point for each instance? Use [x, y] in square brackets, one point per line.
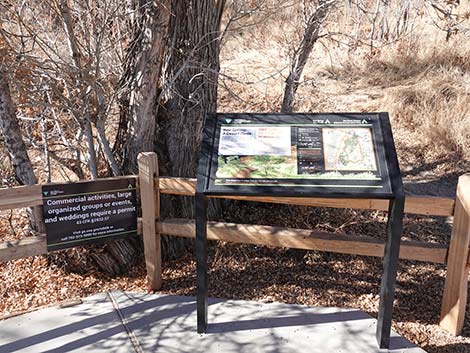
[201, 261]
[390, 266]
[392, 246]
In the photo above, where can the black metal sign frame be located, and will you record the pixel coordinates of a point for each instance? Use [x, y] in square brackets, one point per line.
[378, 178]
[306, 132]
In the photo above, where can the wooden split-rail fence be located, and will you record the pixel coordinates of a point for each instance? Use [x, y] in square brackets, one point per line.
[151, 186]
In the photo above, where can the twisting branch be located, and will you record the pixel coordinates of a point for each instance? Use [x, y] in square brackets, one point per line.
[302, 52]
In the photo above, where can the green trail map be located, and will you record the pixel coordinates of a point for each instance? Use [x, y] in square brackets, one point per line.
[348, 149]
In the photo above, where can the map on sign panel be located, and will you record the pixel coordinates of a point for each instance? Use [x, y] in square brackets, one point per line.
[349, 149]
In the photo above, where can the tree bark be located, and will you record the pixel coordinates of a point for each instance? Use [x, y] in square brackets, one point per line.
[189, 92]
[76, 56]
[190, 81]
[140, 81]
[302, 52]
[170, 83]
[14, 143]
[138, 102]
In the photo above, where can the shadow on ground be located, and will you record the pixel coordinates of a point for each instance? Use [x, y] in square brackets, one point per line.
[164, 323]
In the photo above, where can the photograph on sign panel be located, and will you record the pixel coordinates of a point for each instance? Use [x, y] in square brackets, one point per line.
[256, 152]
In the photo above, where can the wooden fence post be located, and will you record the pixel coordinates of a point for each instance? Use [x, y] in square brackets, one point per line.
[454, 299]
[150, 201]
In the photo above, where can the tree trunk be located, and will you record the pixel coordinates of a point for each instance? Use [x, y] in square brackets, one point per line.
[169, 84]
[140, 81]
[108, 153]
[190, 81]
[302, 52]
[138, 104]
[189, 92]
[14, 143]
[91, 153]
[76, 56]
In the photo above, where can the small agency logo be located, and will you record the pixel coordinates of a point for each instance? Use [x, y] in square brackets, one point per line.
[53, 192]
[321, 121]
[241, 121]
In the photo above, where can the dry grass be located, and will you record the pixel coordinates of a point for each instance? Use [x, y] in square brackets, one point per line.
[425, 88]
[422, 80]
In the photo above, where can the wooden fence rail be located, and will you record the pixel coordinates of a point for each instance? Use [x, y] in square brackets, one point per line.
[28, 196]
[456, 255]
[424, 205]
[150, 226]
[259, 235]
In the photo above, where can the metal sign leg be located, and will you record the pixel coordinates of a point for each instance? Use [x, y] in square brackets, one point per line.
[387, 287]
[201, 261]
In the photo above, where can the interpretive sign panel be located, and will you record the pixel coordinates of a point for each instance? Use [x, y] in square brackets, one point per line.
[317, 154]
[336, 155]
[89, 212]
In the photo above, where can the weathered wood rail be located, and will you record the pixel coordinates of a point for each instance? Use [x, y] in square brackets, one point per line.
[455, 255]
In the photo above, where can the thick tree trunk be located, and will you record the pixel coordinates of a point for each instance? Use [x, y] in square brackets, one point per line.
[140, 81]
[138, 103]
[190, 81]
[14, 143]
[302, 52]
[170, 83]
[189, 92]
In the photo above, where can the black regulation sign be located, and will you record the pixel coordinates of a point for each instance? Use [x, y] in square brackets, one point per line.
[89, 212]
